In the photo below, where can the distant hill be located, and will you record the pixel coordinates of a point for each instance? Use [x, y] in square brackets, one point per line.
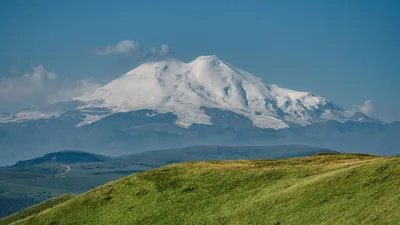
[64, 157]
[216, 152]
[321, 189]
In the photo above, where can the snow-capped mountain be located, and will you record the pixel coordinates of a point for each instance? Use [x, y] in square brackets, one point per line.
[171, 104]
[185, 88]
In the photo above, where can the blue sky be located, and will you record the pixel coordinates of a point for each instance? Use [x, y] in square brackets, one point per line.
[346, 51]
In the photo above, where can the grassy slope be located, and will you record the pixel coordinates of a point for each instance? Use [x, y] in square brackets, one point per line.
[88, 175]
[329, 189]
[35, 209]
[27, 183]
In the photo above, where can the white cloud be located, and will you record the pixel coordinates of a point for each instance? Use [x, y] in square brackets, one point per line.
[39, 87]
[14, 89]
[40, 73]
[157, 53]
[164, 49]
[133, 50]
[122, 47]
[73, 90]
[368, 108]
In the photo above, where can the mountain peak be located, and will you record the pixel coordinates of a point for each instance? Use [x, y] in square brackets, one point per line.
[207, 57]
[184, 89]
[210, 62]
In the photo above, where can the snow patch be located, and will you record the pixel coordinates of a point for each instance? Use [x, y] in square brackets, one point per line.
[28, 115]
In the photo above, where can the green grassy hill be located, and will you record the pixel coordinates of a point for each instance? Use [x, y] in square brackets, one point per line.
[32, 181]
[321, 189]
[35, 209]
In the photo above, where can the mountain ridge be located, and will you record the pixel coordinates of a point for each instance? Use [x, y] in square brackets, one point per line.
[183, 88]
[145, 130]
